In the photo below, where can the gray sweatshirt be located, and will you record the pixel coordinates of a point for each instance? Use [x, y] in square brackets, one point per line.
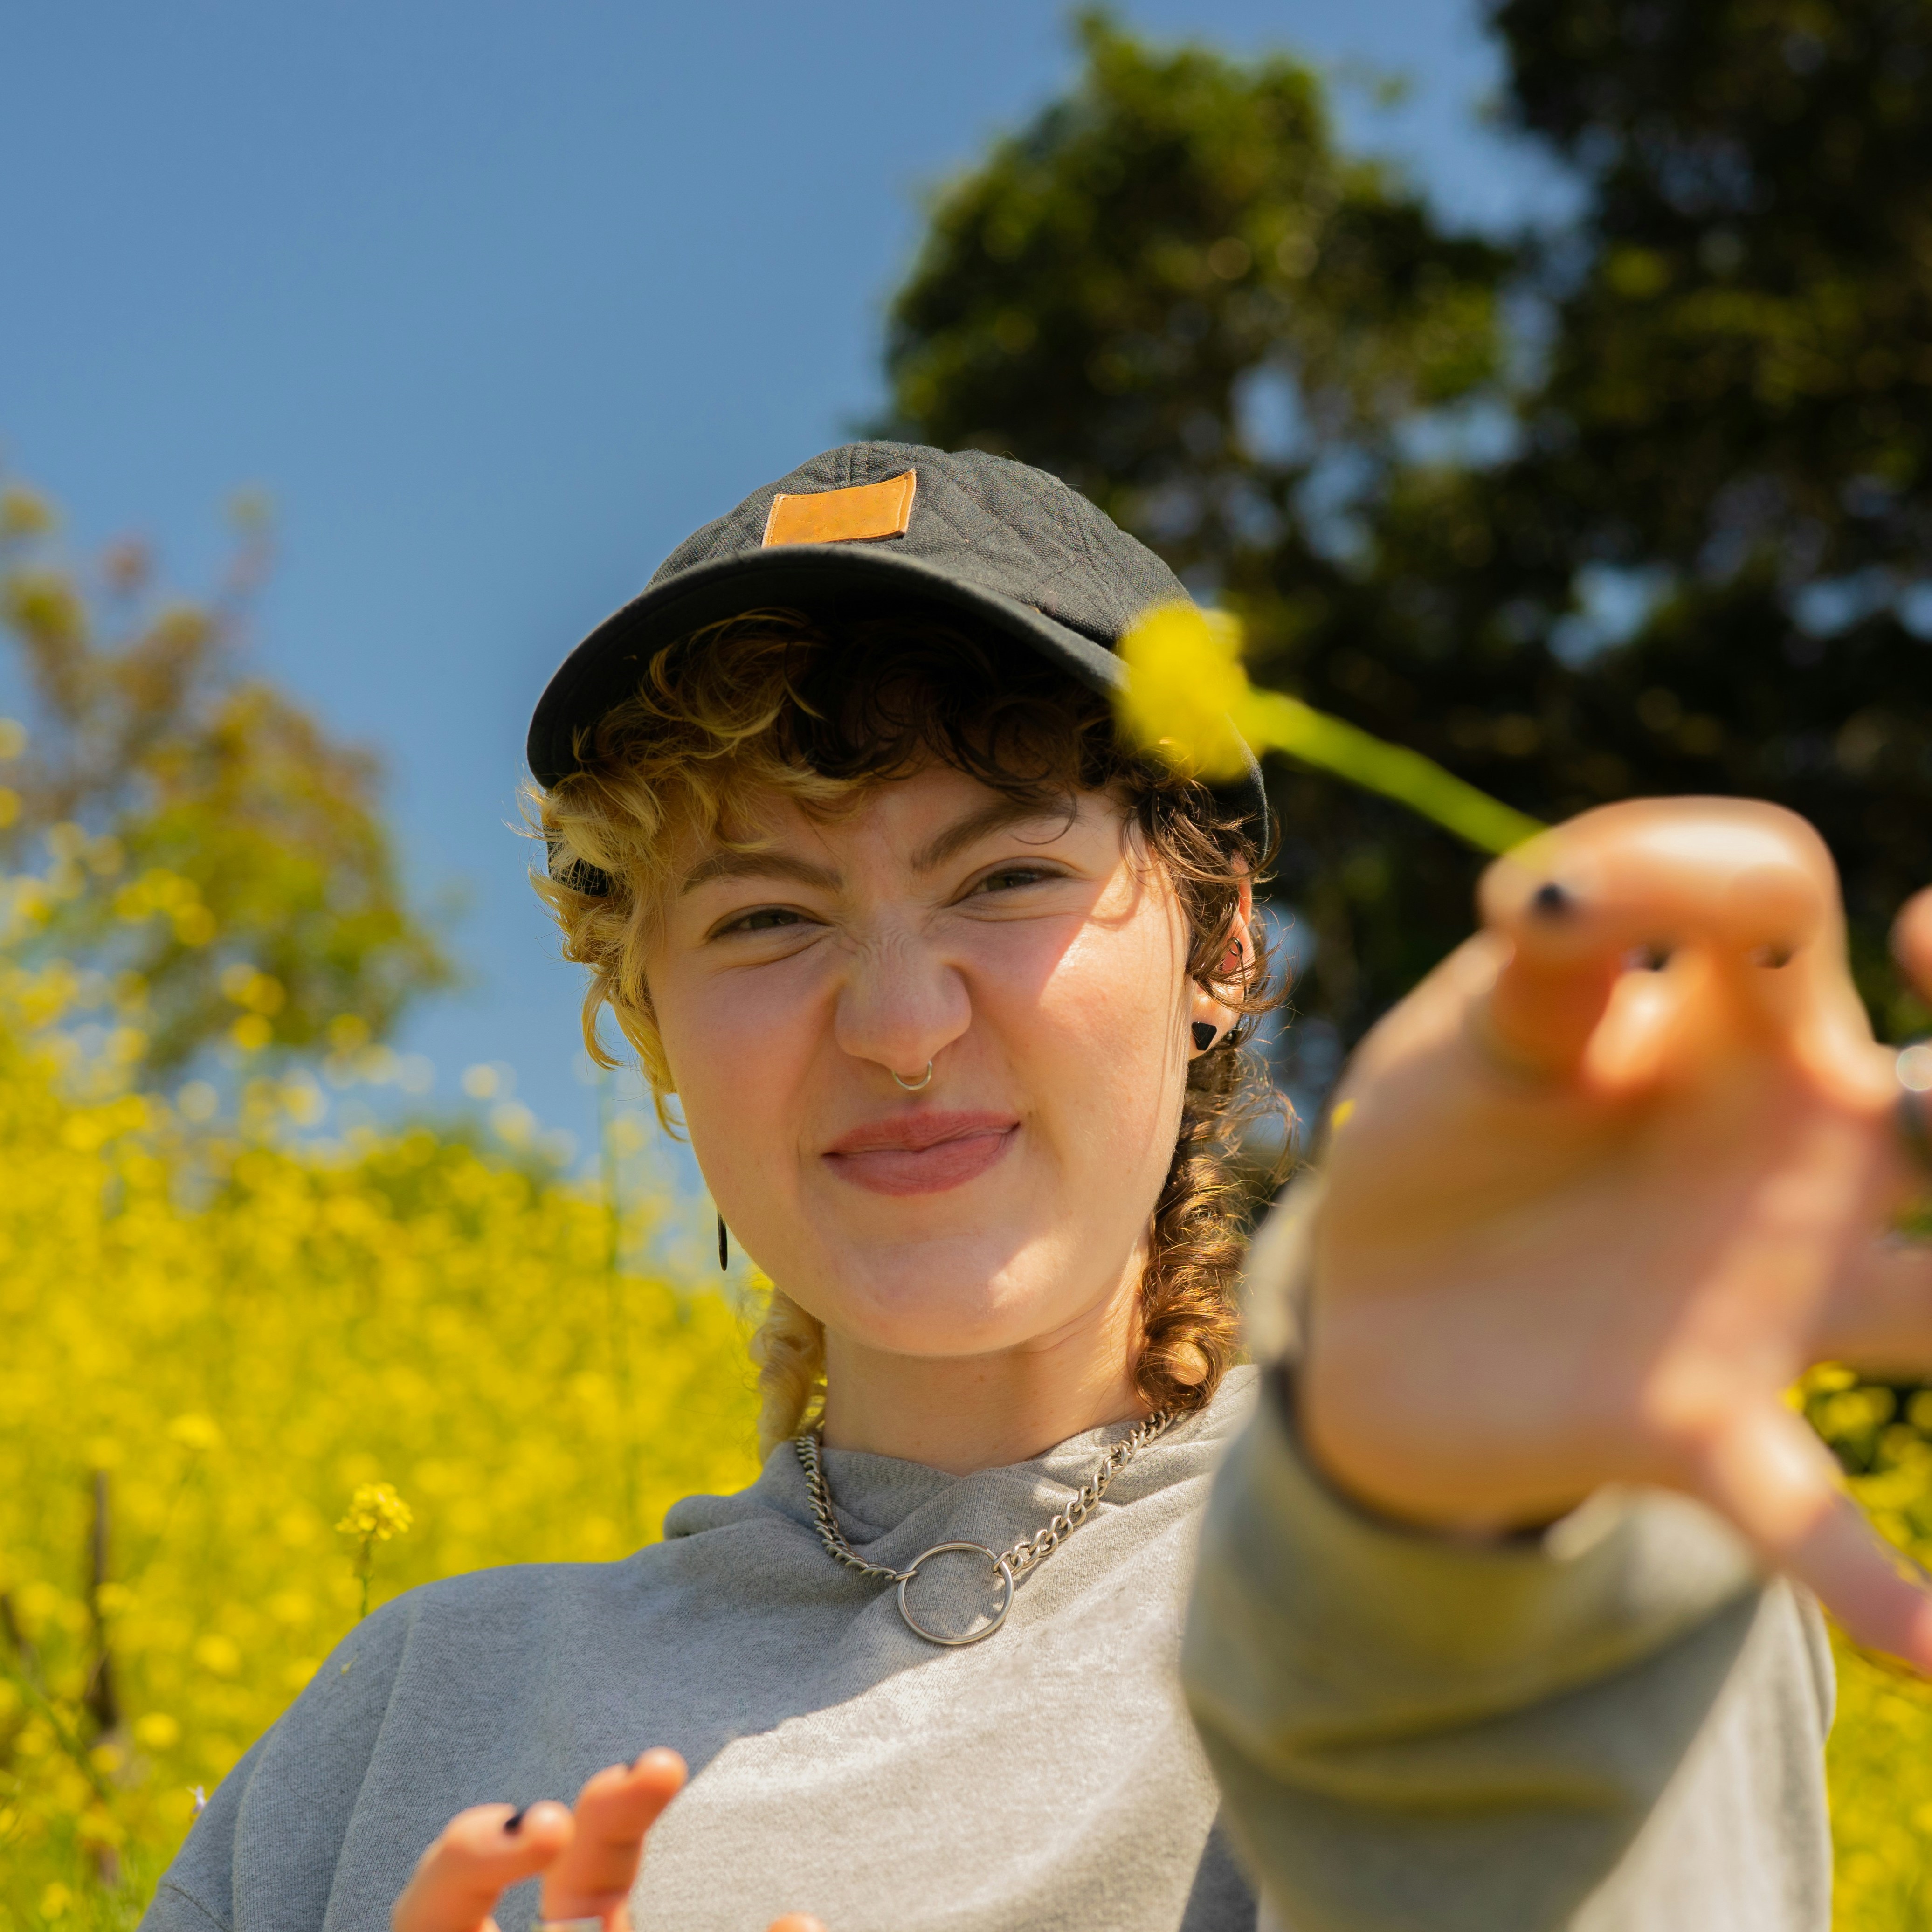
[1409, 1733]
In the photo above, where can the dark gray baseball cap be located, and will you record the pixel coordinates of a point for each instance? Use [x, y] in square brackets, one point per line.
[875, 524]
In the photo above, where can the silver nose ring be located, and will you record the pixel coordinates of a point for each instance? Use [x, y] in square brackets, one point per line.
[918, 1086]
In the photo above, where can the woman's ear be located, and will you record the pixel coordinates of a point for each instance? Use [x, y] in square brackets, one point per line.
[1210, 1019]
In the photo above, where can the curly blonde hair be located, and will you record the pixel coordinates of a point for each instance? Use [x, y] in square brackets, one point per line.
[820, 711]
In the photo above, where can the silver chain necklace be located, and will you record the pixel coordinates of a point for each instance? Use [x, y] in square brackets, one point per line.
[1009, 1566]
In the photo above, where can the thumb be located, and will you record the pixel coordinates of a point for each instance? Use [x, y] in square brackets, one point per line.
[1782, 1487]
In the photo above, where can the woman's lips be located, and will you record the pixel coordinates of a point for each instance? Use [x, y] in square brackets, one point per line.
[921, 1153]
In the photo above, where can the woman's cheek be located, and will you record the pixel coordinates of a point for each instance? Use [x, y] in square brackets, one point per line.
[728, 1051]
[1113, 1012]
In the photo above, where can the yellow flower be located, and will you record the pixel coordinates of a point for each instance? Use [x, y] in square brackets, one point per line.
[251, 1033]
[1188, 698]
[1185, 684]
[219, 1654]
[156, 1731]
[377, 1511]
[199, 1432]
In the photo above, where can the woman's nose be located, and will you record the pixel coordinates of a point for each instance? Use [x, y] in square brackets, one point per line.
[902, 1005]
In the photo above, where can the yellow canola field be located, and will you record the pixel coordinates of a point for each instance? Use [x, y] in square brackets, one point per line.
[274, 1359]
[240, 1337]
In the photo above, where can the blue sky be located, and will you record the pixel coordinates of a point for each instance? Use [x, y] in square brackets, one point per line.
[498, 302]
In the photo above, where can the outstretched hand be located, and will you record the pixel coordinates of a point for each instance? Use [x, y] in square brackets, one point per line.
[588, 1854]
[1608, 1183]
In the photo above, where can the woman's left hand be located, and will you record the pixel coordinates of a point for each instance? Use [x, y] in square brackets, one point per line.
[1585, 1222]
[588, 1854]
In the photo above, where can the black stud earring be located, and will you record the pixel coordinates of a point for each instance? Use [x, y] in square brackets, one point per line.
[1205, 1034]
[724, 1245]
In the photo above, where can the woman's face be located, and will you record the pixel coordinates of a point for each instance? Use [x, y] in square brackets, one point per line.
[1038, 963]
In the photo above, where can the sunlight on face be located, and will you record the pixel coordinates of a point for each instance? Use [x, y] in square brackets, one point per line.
[1038, 962]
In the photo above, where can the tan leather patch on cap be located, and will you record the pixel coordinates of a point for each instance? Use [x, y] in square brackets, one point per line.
[843, 516]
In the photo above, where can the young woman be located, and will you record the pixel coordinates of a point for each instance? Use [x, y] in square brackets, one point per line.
[948, 985]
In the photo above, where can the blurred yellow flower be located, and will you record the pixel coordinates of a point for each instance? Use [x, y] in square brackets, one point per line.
[251, 1033]
[377, 1511]
[200, 1432]
[1187, 696]
[156, 1731]
[219, 1654]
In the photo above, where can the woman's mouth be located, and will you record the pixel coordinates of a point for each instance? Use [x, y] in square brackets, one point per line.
[921, 1153]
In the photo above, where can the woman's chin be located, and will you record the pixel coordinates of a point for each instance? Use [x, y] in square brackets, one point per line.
[961, 1296]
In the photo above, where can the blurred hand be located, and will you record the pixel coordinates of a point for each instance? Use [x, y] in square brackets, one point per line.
[588, 1854]
[1608, 1182]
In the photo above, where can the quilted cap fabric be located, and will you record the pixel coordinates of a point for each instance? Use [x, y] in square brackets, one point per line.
[986, 538]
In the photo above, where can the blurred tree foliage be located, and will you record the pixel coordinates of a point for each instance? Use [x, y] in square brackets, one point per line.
[1639, 503]
[211, 866]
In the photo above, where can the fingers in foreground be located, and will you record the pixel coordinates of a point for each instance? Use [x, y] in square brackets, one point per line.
[1911, 940]
[1780, 1485]
[614, 1811]
[1741, 895]
[1880, 1317]
[481, 1853]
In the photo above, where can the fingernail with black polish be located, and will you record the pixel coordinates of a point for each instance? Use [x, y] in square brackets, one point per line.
[514, 1823]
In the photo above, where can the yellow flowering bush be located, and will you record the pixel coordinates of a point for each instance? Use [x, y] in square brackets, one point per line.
[211, 1347]
[1879, 1758]
[247, 1387]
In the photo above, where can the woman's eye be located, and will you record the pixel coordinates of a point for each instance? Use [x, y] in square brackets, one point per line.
[1009, 876]
[766, 919]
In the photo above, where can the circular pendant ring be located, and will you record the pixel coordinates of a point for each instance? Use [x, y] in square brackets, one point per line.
[999, 1563]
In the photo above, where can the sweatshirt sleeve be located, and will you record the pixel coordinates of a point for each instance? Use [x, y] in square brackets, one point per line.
[275, 1825]
[1612, 1726]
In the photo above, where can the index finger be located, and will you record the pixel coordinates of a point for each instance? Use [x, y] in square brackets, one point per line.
[614, 1811]
[1746, 890]
[480, 1854]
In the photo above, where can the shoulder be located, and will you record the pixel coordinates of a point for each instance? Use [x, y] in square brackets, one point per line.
[777, 1496]
[513, 1592]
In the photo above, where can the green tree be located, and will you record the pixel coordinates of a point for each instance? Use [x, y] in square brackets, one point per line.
[1635, 505]
[1174, 289]
[180, 842]
[1737, 412]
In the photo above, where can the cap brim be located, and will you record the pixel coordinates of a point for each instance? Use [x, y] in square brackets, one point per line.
[605, 668]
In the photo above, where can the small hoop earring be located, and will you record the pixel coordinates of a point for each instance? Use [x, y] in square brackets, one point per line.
[918, 1086]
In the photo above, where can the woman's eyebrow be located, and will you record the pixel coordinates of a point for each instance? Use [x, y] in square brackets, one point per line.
[729, 865]
[1000, 816]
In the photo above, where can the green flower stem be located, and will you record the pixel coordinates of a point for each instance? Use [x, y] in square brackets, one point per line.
[1274, 721]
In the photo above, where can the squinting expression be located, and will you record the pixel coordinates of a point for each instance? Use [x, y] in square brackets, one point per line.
[1038, 963]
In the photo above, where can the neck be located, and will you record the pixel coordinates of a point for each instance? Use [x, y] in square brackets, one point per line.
[963, 1413]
